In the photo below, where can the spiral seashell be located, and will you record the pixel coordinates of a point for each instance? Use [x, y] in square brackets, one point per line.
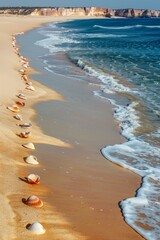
[36, 228]
[25, 134]
[31, 160]
[33, 179]
[30, 88]
[33, 201]
[18, 117]
[25, 125]
[13, 108]
[21, 104]
[29, 146]
[22, 96]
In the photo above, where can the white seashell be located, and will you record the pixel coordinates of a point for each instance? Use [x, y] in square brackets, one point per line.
[13, 108]
[29, 83]
[29, 146]
[36, 228]
[22, 70]
[25, 125]
[30, 88]
[18, 117]
[22, 96]
[31, 160]
[25, 134]
[33, 178]
[33, 201]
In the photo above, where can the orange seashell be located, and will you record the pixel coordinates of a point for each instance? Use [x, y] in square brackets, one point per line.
[33, 179]
[13, 108]
[33, 201]
[21, 104]
[25, 78]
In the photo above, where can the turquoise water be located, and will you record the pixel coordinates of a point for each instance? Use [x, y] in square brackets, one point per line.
[122, 57]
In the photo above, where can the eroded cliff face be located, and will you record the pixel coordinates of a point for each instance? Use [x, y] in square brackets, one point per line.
[83, 12]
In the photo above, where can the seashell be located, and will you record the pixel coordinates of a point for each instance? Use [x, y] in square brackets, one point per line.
[29, 146]
[22, 96]
[31, 160]
[25, 78]
[33, 179]
[29, 83]
[33, 201]
[26, 65]
[30, 88]
[36, 228]
[18, 117]
[21, 70]
[25, 134]
[13, 108]
[25, 125]
[21, 104]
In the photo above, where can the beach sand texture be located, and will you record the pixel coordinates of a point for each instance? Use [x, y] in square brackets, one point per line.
[15, 215]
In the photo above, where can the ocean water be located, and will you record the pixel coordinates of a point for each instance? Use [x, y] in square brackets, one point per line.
[122, 58]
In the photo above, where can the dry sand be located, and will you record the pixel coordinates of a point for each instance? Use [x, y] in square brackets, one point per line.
[15, 215]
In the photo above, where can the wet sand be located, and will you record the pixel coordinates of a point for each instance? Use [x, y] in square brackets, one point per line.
[80, 188]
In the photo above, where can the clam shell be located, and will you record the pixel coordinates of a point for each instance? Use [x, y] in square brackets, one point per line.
[31, 160]
[33, 178]
[18, 117]
[25, 125]
[30, 88]
[22, 96]
[13, 108]
[33, 201]
[21, 104]
[29, 146]
[36, 228]
[25, 134]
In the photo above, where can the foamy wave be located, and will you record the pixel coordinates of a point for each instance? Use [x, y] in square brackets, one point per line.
[126, 27]
[144, 208]
[96, 35]
[54, 41]
[111, 84]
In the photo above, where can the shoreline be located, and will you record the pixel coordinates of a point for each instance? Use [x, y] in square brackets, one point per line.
[9, 130]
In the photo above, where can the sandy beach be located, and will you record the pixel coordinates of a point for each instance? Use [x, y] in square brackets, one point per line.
[71, 210]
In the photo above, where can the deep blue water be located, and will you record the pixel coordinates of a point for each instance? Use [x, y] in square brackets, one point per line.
[122, 57]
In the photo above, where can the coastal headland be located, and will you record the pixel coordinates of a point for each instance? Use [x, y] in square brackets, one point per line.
[81, 12]
[110, 183]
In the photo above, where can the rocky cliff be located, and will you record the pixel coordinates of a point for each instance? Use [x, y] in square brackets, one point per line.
[90, 12]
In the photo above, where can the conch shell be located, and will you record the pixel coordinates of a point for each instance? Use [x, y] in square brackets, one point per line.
[33, 179]
[36, 228]
[31, 160]
[25, 134]
[33, 201]
[13, 108]
[29, 146]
